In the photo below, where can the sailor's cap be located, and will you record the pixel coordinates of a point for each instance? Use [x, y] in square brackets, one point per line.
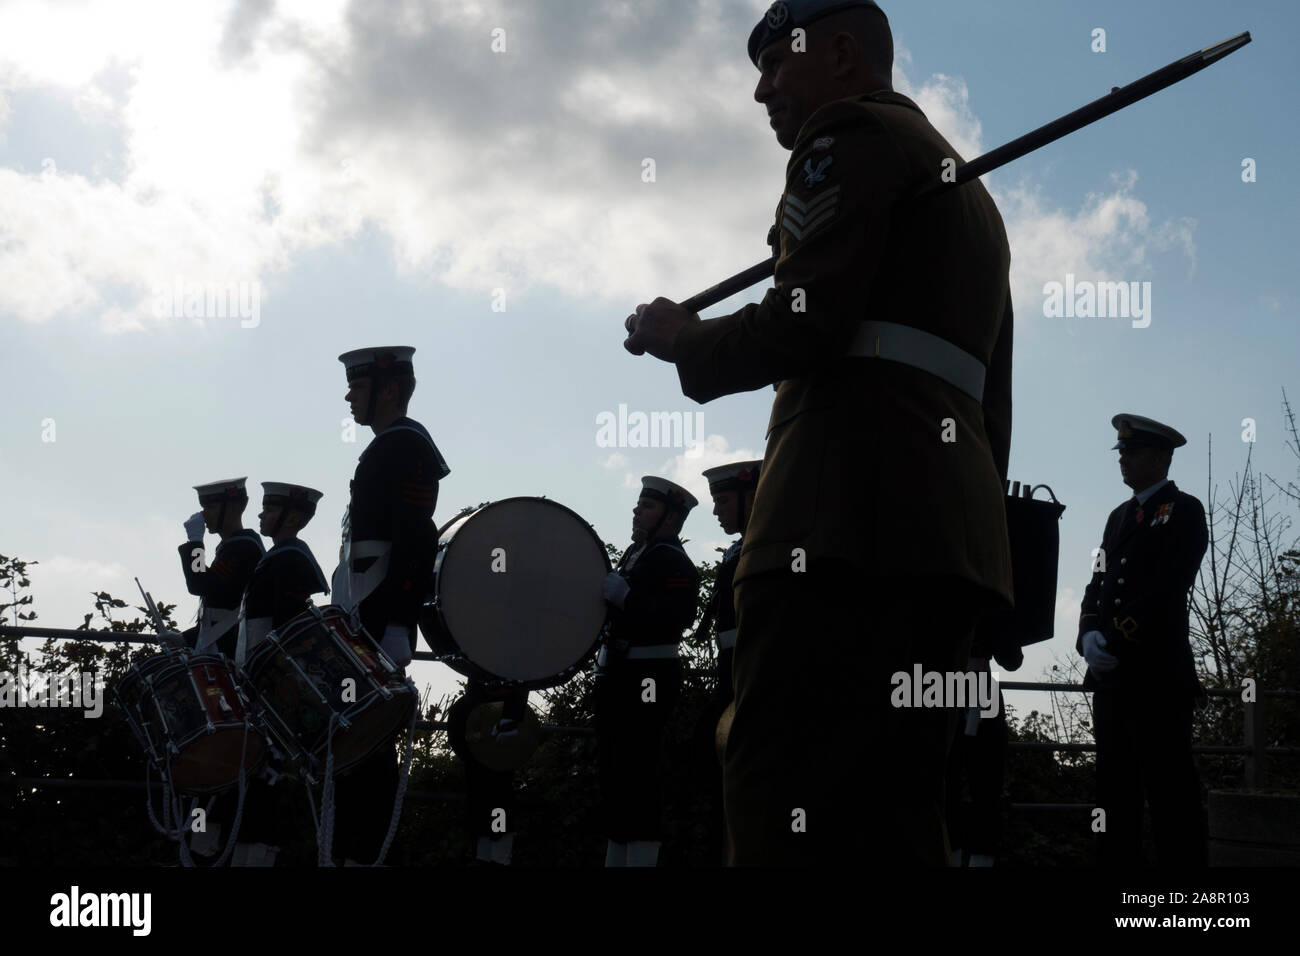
[670, 493]
[214, 492]
[740, 474]
[293, 496]
[385, 360]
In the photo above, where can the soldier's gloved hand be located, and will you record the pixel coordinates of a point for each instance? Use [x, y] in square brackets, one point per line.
[397, 644]
[615, 589]
[171, 639]
[194, 526]
[1100, 662]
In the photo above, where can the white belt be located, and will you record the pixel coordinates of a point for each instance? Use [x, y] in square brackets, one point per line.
[930, 353]
[651, 652]
[726, 639]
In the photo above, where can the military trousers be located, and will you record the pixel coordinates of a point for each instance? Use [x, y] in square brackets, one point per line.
[1144, 751]
[821, 767]
[630, 718]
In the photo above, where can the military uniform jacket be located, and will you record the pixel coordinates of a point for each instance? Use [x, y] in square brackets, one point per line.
[856, 467]
[390, 540]
[222, 585]
[663, 592]
[1152, 554]
[279, 590]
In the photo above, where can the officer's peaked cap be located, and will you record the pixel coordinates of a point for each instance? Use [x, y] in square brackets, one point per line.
[1136, 431]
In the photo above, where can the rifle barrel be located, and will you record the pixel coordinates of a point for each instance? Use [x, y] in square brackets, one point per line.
[1116, 100]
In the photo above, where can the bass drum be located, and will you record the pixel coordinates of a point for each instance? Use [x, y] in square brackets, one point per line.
[517, 594]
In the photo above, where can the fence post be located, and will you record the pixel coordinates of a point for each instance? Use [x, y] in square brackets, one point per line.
[1257, 741]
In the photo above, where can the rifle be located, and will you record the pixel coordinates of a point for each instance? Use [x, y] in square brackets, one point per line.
[1113, 102]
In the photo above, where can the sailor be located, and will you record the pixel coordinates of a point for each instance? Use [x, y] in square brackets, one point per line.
[220, 585]
[652, 597]
[285, 579]
[386, 562]
[732, 487]
[279, 590]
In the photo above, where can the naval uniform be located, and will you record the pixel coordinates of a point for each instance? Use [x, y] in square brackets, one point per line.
[641, 646]
[220, 587]
[390, 544]
[1143, 709]
[279, 590]
[722, 611]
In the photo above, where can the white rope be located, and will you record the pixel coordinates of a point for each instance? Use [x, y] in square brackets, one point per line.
[401, 786]
[325, 831]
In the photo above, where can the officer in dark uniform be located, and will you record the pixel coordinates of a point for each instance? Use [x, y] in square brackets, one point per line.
[878, 537]
[652, 597]
[386, 562]
[1133, 632]
[279, 590]
[220, 584]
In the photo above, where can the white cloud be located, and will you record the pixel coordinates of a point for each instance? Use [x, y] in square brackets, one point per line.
[616, 460]
[253, 133]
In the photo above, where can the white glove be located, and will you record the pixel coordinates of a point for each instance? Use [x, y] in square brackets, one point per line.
[194, 526]
[505, 729]
[1094, 652]
[397, 644]
[615, 589]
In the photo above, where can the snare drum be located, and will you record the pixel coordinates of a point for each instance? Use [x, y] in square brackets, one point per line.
[316, 666]
[517, 593]
[190, 717]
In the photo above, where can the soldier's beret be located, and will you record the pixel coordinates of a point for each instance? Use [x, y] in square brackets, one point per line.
[785, 16]
[1136, 431]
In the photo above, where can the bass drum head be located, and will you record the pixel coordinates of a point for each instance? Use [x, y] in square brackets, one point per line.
[518, 591]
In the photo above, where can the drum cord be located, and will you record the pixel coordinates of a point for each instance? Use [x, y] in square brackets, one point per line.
[325, 827]
[239, 807]
[401, 786]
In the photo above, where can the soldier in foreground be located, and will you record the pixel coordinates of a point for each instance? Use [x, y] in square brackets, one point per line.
[878, 535]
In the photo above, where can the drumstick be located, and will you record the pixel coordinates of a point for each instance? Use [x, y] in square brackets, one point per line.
[152, 609]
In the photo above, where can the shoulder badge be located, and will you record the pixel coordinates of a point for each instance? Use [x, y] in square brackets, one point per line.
[813, 176]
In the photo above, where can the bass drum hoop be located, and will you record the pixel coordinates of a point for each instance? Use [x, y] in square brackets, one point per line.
[438, 633]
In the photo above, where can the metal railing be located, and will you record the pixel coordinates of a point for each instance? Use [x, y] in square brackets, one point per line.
[1253, 750]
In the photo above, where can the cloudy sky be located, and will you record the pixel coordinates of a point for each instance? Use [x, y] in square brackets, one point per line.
[470, 178]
